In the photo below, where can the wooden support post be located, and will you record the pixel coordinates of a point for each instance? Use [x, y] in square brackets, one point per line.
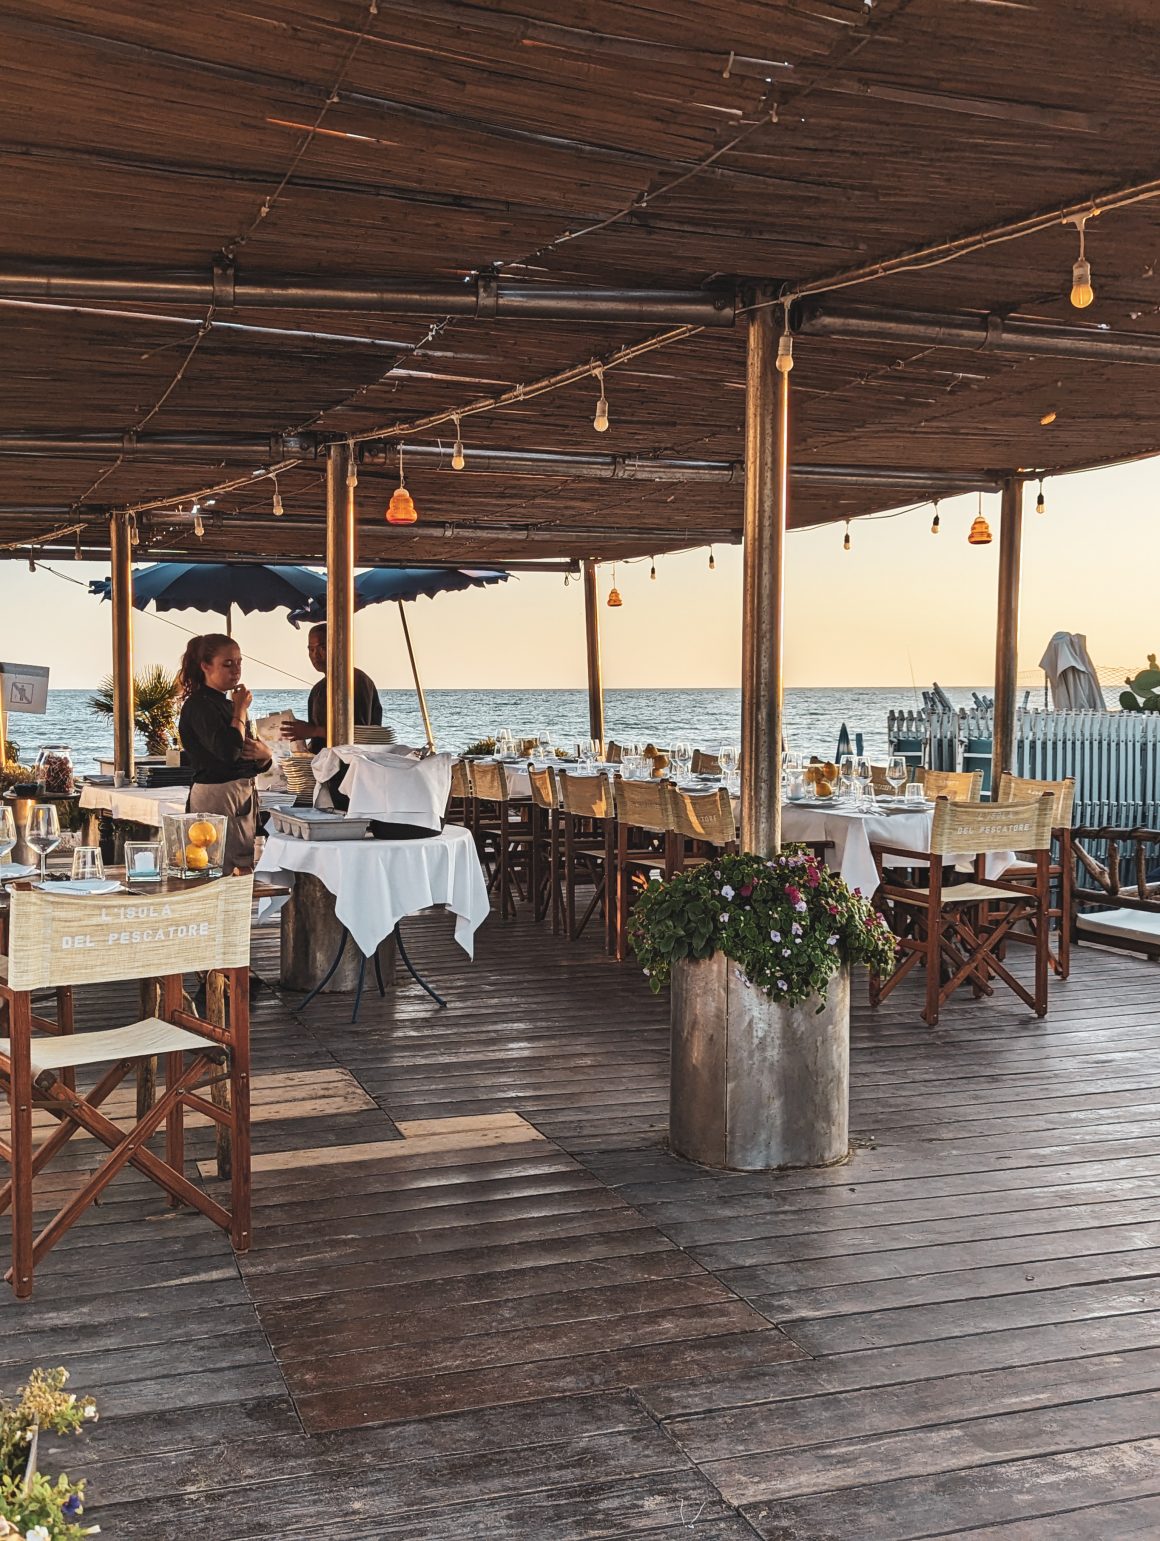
[1007, 630]
[217, 1012]
[766, 512]
[592, 641]
[422, 699]
[340, 484]
[121, 593]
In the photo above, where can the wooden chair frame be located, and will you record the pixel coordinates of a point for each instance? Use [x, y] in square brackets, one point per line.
[1060, 870]
[1100, 884]
[644, 814]
[589, 827]
[199, 1056]
[546, 846]
[505, 844]
[957, 930]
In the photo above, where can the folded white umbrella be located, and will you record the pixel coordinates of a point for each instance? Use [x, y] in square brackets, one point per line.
[1075, 686]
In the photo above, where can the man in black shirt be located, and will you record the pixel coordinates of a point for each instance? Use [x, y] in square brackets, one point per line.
[368, 709]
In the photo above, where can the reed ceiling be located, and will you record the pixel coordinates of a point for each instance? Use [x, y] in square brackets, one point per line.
[637, 145]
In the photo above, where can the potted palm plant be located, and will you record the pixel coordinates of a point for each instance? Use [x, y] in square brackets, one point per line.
[758, 952]
[155, 703]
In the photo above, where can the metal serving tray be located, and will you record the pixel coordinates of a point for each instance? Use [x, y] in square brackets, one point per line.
[316, 824]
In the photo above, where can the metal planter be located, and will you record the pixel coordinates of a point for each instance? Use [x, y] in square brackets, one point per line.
[754, 1084]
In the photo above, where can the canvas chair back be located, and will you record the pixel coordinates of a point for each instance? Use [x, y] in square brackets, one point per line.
[543, 784]
[705, 764]
[488, 780]
[63, 939]
[959, 786]
[588, 797]
[704, 816]
[460, 784]
[1017, 789]
[613, 752]
[643, 804]
[975, 828]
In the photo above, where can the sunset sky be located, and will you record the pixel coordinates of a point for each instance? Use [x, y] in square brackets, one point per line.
[900, 605]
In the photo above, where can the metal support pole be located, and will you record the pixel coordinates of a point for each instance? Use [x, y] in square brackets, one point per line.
[592, 641]
[1007, 630]
[422, 699]
[121, 594]
[766, 513]
[341, 478]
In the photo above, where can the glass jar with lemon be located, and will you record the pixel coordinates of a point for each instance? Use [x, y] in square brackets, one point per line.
[194, 844]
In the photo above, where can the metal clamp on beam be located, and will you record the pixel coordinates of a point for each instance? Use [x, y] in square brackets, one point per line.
[224, 286]
[486, 296]
[994, 332]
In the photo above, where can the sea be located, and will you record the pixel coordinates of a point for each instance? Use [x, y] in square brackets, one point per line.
[704, 718]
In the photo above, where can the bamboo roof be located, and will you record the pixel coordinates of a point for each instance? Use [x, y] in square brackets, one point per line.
[630, 145]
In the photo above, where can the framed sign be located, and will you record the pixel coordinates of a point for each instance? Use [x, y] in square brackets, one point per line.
[23, 688]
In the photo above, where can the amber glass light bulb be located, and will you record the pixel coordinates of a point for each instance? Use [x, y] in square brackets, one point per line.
[1082, 293]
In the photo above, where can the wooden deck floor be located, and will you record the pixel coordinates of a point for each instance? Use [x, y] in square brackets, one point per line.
[484, 1303]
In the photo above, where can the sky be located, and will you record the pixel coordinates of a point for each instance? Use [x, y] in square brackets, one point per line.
[900, 606]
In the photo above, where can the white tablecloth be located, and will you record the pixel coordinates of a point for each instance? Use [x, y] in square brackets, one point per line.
[389, 782]
[378, 882]
[853, 833]
[139, 805]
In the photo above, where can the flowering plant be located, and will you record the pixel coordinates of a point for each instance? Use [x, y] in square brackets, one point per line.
[32, 1506]
[788, 922]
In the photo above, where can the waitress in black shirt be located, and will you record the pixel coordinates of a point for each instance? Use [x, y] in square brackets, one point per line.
[221, 749]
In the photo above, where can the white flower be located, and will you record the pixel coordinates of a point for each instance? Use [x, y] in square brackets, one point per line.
[775, 936]
[37, 1533]
[785, 952]
[726, 892]
[832, 940]
[800, 906]
[71, 1399]
[781, 985]
[723, 918]
[796, 929]
[91, 1411]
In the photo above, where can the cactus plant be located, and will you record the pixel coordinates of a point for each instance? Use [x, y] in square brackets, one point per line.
[1143, 693]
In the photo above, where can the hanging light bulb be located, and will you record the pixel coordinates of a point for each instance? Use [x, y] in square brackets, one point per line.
[277, 506]
[401, 509]
[1040, 501]
[32, 561]
[934, 523]
[614, 599]
[352, 466]
[1082, 293]
[600, 421]
[458, 459]
[652, 572]
[198, 522]
[77, 552]
[784, 360]
[980, 532]
[846, 537]
[712, 560]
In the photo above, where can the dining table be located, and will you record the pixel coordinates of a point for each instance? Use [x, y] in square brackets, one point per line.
[849, 831]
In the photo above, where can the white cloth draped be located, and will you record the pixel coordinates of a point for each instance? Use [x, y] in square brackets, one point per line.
[1075, 686]
[377, 883]
[388, 782]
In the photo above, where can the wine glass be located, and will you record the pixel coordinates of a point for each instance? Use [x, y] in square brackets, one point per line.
[791, 762]
[87, 864]
[545, 743]
[846, 767]
[682, 757]
[43, 834]
[896, 771]
[7, 830]
[727, 755]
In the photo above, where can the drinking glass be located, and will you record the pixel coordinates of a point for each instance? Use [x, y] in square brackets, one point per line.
[7, 830]
[846, 786]
[864, 776]
[682, 757]
[43, 833]
[545, 742]
[896, 771]
[915, 792]
[846, 767]
[791, 762]
[503, 742]
[87, 864]
[728, 758]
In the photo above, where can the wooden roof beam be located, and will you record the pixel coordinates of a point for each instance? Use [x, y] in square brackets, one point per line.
[974, 330]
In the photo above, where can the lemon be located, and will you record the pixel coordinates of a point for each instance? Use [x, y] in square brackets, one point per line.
[201, 833]
[196, 857]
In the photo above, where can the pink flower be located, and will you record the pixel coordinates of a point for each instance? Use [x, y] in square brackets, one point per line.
[812, 877]
[793, 894]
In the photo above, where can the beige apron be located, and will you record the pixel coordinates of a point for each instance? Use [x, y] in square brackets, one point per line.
[239, 801]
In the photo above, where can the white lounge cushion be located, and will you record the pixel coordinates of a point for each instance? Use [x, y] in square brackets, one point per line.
[1125, 925]
[140, 1040]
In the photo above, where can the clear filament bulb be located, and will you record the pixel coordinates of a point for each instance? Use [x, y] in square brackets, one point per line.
[1082, 293]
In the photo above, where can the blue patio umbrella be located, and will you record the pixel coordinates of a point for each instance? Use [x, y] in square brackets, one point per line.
[218, 587]
[380, 584]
